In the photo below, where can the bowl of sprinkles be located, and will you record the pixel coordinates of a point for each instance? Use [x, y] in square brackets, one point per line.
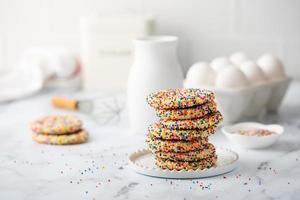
[252, 135]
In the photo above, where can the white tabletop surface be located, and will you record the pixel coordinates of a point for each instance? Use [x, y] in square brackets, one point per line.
[99, 168]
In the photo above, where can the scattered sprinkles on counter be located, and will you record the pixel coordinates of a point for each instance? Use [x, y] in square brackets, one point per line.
[91, 169]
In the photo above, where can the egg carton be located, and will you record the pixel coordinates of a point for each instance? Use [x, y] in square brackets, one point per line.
[249, 102]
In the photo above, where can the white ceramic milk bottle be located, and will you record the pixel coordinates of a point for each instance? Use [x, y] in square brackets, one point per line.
[155, 67]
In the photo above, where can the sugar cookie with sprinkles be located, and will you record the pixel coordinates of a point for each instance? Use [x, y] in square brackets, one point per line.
[60, 124]
[207, 151]
[156, 130]
[179, 98]
[187, 113]
[183, 165]
[199, 123]
[73, 138]
[179, 141]
[175, 145]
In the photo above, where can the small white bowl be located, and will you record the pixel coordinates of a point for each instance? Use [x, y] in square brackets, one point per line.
[252, 142]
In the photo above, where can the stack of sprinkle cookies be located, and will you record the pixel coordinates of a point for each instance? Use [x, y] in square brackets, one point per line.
[59, 130]
[180, 139]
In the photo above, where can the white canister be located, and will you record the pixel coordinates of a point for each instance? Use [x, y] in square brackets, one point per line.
[106, 49]
[155, 67]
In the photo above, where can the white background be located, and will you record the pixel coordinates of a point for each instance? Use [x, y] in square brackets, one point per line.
[207, 28]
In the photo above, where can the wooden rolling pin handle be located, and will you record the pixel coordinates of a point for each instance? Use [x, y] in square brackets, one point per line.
[61, 102]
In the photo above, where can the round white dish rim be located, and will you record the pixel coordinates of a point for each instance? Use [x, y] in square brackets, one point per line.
[142, 161]
[253, 142]
[232, 129]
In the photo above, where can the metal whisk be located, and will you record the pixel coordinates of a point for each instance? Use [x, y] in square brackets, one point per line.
[103, 109]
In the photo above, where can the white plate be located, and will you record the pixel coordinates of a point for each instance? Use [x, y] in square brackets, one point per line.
[143, 162]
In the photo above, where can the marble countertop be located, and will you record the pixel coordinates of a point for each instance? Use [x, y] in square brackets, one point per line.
[99, 169]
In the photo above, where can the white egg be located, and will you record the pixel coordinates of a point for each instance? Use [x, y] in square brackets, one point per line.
[219, 63]
[231, 77]
[238, 58]
[253, 72]
[271, 66]
[200, 74]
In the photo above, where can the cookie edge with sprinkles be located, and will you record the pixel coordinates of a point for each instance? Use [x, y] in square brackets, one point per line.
[38, 125]
[173, 165]
[208, 151]
[67, 139]
[212, 119]
[187, 113]
[169, 101]
[175, 145]
[158, 131]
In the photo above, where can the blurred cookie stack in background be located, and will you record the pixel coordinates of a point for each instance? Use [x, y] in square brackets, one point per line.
[58, 130]
[180, 139]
